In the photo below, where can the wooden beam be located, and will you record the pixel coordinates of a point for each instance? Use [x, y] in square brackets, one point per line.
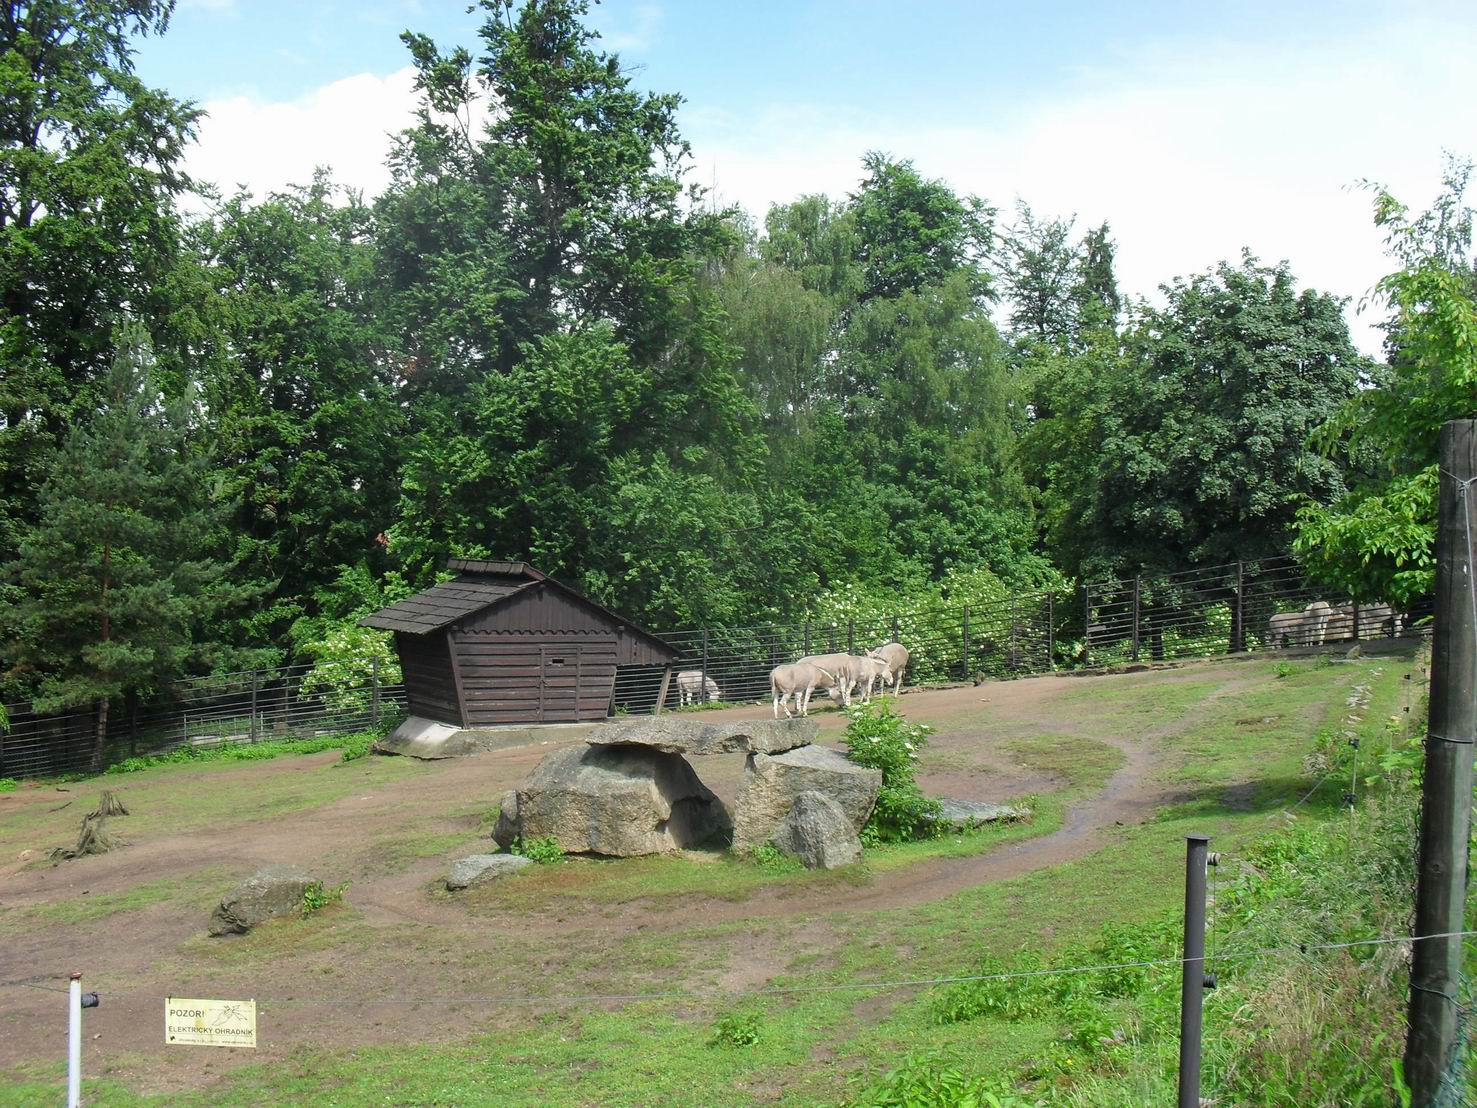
[661, 697]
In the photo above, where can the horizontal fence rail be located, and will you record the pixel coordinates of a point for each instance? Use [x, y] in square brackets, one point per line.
[289, 702]
[1240, 606]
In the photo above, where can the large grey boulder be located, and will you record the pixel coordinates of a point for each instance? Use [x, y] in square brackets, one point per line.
[690, 736]
[268, 893]
[477, 868]
[819, 833]
[617, 800]
[773, 781]
[961, 815]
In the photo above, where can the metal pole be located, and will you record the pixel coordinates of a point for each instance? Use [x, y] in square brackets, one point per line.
[1238, 615]
[704, 685]
[74, 1042]
[966, 642]
[1086, 624]
[1356, 621]
[807, 636]
[374, 692]
[1192, 970]
[851, 636]
[1446, 789]
[894, 628]
[1136, 619]
[1050, 632]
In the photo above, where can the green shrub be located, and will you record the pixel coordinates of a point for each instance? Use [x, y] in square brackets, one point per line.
[879, 738]
[8, 784]
[544, 851]
[770, 857]
[354, 745]
[316, 897]
[736, 1029]
[938, 1078]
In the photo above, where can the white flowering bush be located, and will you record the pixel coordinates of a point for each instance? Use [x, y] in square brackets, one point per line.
[879, 738]
[343, 665]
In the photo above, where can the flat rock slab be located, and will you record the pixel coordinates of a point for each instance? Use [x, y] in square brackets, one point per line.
[268, 893]
[819, 833]
[772, 782]
[961, 815]
[478, 868]
[690, 736]
[429, 740]
[620, 801]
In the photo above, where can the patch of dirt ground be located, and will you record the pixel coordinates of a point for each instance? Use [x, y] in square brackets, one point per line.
[397, 939]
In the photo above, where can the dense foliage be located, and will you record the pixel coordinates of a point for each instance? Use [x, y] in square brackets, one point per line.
[878, 738]
[541, 342]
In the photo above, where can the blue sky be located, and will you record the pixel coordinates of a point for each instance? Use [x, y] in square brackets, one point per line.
[1195, 129]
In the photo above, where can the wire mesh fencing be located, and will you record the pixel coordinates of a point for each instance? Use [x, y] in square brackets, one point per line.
[1268, 604]
[1240, 606]
[288, 702]
[1009, 638]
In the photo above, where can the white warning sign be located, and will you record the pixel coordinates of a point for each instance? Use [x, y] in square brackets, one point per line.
[209, 1022]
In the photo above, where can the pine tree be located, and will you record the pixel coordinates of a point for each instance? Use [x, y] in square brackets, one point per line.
[120, 581]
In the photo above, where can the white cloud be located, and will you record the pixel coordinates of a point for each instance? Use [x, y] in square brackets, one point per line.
[1189, 157]
[346, 126]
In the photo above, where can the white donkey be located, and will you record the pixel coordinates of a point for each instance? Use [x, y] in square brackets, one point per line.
[693, 686]
[896, 655]
[799, 680]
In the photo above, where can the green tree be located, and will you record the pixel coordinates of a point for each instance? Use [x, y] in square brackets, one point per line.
[89, 169]
[124, 586]
[1199, 446]
[1378, 540]
[913, 232]
[299, 388]
[1040, 276]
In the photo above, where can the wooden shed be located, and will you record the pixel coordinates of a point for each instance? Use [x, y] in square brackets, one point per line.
[506, 644]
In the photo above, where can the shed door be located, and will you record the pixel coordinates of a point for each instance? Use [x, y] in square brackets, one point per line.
[559, 689]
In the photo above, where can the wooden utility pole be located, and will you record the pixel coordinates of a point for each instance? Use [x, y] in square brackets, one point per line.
[1446, 792]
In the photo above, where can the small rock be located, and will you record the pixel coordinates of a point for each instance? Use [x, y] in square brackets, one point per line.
[478, 868]
[819, 833]
[960, 815]
[506, 828]
[268, 893]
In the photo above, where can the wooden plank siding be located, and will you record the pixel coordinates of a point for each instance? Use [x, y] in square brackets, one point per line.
[430, 685]
[534, 676]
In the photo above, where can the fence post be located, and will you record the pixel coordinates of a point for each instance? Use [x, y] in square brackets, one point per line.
[374, 692]
[704, 685]
[255, 683]
[894, 628]
[74, 1041]
[1050, 632]
[1086, 624]
[807, 636]
[1446, 789]
[1238, 613]
[1356, 620]
[1193, 981]
[1136, 619]
[851, 636]
[966, 642]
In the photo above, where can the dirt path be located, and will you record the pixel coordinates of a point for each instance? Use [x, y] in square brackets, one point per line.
[145, 950]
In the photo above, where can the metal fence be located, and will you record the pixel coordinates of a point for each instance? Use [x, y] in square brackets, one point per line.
[1225, 609]
[300, 701]
[1005, 639]
[1197, 613]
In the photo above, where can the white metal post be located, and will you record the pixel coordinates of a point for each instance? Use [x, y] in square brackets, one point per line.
[74, 1042]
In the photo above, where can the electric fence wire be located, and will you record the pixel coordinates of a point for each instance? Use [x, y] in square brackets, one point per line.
[801, 990]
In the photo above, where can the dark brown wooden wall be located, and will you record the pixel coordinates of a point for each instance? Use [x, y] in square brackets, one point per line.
[534, 676]
[430, 686]
[548, 609]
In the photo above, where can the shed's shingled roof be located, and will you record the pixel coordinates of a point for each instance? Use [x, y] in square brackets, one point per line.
[479, 585]
[441, 604]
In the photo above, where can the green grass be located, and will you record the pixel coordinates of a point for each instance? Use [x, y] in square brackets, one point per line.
[1231, 756]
